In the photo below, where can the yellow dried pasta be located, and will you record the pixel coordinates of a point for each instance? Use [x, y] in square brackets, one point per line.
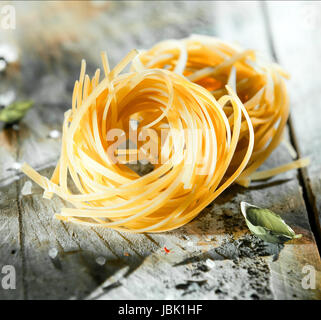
[213, 64]
[188, 177]
[205, 113]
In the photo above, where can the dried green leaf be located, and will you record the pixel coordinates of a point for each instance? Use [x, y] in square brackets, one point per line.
[15, 111]
[266, 224]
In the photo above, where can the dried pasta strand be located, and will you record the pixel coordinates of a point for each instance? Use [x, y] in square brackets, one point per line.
[300, 163]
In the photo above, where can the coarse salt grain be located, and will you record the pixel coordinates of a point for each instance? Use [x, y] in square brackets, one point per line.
[3, 65]
[189, 243]
[7, 97]
[210, 263]
[54, 134]
[16, 166]
[26, 189]
[101, 261]
[53, 252]
[9, 53]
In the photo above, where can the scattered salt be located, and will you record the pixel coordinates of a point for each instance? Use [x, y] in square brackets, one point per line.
[26, 189]
[53, 252]
[101, 261]
[3, 65]
[7, 97]
[9, 53]
[193, 287]
[210, 263]
[16, 166]
[54, 134]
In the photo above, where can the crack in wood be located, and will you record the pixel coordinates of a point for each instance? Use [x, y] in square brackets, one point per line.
[152, 240]
[307, 192]
[106, 244]
[132, 246]
[21, 233]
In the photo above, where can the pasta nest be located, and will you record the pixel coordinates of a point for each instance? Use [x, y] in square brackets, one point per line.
[157, 116]
[259, 84]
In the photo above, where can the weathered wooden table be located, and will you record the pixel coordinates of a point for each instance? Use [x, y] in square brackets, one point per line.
[52, 42]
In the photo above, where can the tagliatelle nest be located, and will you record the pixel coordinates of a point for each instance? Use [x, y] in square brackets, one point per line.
[198, 140]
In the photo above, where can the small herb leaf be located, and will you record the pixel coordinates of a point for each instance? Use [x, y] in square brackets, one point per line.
[266, 224]
[15, 111]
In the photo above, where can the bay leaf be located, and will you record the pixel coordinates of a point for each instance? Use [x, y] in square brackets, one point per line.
[15, 111]
[266, 224]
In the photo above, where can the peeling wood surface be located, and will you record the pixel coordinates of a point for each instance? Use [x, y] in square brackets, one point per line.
[137, 266]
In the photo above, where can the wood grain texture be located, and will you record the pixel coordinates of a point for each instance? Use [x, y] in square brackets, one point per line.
[137, 266]
[255, 34]
[301, 56]
[10, 243]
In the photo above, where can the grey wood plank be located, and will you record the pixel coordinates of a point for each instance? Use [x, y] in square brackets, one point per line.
[10, 232]
[8, 155]
[298, 47]
[256, 36]
[241, 23]
[75, 271]
[10, 241]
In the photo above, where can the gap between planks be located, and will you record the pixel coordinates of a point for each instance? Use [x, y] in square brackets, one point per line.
[302, 177]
